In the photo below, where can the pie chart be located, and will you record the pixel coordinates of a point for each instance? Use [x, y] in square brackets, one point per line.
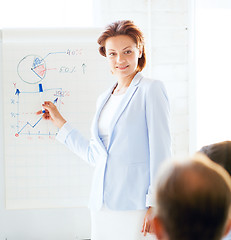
[32, 69]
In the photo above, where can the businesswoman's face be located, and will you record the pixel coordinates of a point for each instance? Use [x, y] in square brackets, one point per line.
[122, 54]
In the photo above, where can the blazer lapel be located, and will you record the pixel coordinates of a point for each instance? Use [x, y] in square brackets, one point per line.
[125, 101]
[95, 124]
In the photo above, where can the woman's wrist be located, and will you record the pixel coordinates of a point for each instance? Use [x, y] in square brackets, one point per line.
[61, 123]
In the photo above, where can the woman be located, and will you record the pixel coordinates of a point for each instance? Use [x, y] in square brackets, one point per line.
[130, 138]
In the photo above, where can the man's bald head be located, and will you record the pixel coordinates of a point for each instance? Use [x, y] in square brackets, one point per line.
[193, 199]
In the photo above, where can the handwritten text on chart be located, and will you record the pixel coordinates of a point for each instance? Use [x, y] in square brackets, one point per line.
[74, 52]
[67, 69]
[62, 94]
[72, 69]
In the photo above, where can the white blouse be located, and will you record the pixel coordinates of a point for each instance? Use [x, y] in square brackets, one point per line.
[106, 116]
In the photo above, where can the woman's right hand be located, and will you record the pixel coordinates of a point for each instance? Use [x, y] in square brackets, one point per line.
[52, 113]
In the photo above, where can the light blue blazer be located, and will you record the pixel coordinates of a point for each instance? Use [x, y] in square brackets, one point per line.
[139, 141]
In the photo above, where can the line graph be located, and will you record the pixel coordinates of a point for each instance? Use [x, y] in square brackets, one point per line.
[25, 126]
[34, 125]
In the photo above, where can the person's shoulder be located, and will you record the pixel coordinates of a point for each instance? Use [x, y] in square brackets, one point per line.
[148, 83]
[153, 88]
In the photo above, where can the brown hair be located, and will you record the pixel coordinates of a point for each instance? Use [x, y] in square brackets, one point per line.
[220, 153]
[193, 199]
[128, 28]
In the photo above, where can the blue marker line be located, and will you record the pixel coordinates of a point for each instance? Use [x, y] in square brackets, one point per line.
[18, 109]
[17, 92]
[55, 101]
[36, 62]
[40, 94]
[45, 90]
[50, 54]
[35, 73]
[33, 126]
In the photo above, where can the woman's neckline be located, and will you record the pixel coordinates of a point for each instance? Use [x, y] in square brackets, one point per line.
[118, 95]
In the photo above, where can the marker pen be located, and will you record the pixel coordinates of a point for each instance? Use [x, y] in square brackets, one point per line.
[41, 96]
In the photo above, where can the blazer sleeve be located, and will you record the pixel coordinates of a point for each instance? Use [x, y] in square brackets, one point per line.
[158, 123]
[77, 143]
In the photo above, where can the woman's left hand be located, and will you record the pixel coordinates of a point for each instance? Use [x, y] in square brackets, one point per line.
[148, 225]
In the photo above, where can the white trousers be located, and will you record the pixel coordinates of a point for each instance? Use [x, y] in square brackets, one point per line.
[107, 224]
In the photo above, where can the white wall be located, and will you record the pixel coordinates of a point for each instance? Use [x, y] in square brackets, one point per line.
[169, 56]
[212, 71]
